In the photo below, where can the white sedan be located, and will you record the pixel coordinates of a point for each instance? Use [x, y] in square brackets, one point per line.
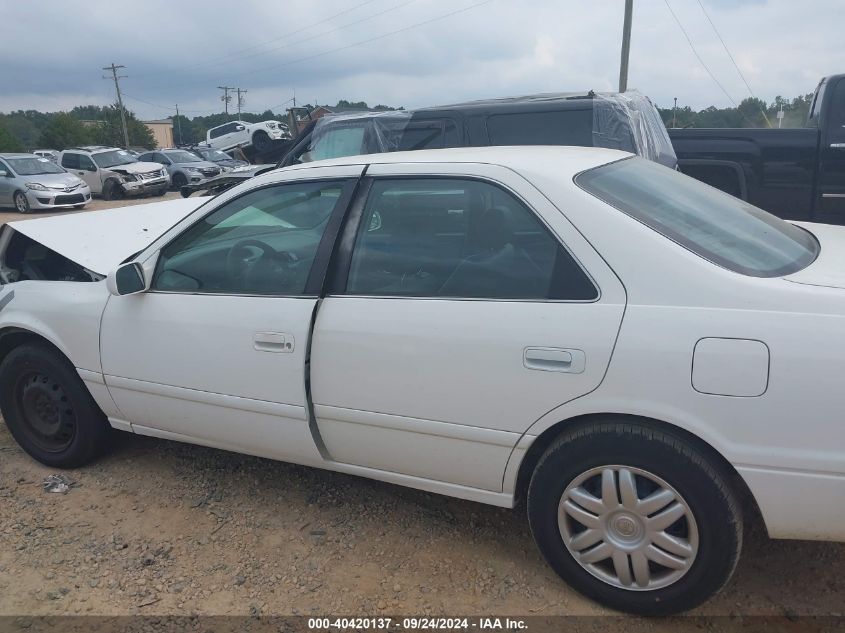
[647, 361]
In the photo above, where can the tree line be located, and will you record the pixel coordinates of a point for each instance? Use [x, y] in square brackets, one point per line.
[25, 130]
[749, 113]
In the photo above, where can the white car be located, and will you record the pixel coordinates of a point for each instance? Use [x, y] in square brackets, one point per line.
[642, 357]
[242, 134]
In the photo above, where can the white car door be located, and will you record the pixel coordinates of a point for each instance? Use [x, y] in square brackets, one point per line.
[215, 351]
[457, 317]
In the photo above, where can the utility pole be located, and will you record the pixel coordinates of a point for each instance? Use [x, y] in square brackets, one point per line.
[178, 124]
[240, 99]
[226, 98]
[626, 46]
[113, 68]
[675, 113]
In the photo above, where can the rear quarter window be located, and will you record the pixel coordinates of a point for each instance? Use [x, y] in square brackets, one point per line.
[712, 224]
[561, 127]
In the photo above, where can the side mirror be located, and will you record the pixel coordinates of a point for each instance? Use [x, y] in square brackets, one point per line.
[240, 128]
[128, 279]
[3, 173]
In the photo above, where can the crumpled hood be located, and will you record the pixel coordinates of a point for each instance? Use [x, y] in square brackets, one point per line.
[100, 240]
[829, 267]
[136, 168]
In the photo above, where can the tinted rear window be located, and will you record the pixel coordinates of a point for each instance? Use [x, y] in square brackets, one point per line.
[561, 127]
[716, 226]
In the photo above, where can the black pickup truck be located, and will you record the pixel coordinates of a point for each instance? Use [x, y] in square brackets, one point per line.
[797, 174]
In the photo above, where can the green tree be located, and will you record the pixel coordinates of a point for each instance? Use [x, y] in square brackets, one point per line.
[64, 131]
[8, 143]
[110, 130]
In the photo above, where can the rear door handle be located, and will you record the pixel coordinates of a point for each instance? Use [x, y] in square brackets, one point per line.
[571, 361]
[278, 342]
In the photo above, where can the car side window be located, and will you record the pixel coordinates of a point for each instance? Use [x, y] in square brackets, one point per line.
[158, 157]
[71, 161]
[262, 243]
[439, 237]
[5, 167]
[86, 163]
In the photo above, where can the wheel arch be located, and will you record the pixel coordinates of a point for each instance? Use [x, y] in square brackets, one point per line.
[12, 337]
[544, 440]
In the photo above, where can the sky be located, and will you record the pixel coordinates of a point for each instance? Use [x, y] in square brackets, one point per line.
[407, 53]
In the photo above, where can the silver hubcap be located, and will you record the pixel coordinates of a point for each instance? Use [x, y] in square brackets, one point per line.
[21, 202]
[628, 527]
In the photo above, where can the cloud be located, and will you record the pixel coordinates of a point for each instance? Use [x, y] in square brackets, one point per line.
[180, 52]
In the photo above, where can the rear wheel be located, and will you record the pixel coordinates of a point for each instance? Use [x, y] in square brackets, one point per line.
[22, 202]
[48, 410]
[637, 519]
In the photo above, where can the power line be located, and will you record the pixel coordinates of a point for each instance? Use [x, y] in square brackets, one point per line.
[733, 61]
[371, 39]
[323, 34]
[216, 60]
[698, 57]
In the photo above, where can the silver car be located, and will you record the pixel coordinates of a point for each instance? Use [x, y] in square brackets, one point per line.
[32, 182]
[184, 167]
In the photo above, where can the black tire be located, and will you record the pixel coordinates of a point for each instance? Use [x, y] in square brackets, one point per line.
[161, 192]
[179, 181]
[48, 410]
[112, 190]
[22, 202]
[260, 141]
[79, 206]
[702, 484]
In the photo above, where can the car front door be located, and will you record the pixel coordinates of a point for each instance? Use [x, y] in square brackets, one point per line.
[832, 167]
[463, 309]
[215, 351]
[89, 173]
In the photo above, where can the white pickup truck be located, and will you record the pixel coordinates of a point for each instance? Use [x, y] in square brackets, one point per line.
[242, 134]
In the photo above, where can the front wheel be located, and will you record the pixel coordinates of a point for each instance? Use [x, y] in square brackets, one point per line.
[260, 141]
[179, 181]
[22, 202]
[637, 519]
[48, 409]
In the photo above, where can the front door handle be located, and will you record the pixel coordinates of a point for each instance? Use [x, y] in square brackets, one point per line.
[570, 361]
[273, 342]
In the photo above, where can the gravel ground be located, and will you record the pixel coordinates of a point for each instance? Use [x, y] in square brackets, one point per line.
[161, 528]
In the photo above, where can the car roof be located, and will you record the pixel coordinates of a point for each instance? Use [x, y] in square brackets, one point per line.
[17, 155]
[567, 160]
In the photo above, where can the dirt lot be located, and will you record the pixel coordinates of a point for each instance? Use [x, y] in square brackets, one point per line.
[165, 528]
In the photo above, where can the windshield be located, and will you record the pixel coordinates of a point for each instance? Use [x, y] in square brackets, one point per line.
[183, 157]
[34, 166]
[214, 155]
[113, 158]
[712, 224]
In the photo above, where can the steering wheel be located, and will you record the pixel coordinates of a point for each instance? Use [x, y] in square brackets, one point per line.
[240, 259]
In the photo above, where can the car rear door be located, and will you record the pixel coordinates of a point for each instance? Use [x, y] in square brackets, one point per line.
[215, 352]
[464, 306]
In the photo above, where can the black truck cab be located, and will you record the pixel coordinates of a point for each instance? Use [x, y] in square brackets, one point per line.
[797, 174]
